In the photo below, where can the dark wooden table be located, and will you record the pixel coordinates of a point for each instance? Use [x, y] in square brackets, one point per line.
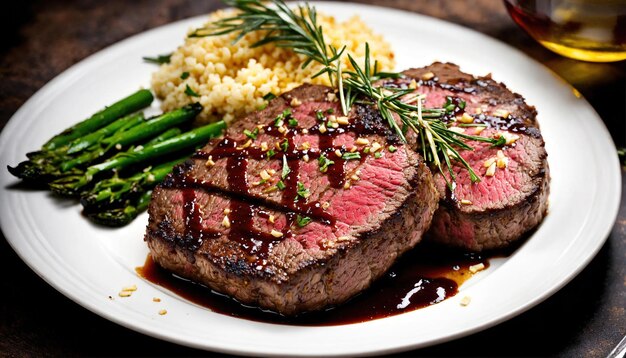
[41, 39]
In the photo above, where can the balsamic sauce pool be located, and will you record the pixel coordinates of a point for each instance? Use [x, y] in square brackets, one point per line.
[422, 277]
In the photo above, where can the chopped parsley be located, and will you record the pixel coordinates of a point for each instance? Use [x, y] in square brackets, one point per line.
[303, 220]
[190, 92]
[184, 75]
[292, 122]
[351, 156]
[302, 191]
[159, 60]
[280, 185]
[251, 134]
[281, 118]
[270, 153]
[319, 115]
[499, 142]
[270, 96]
[284, 145]
[286, 169]
[450, 104]
[330, 111]
[324, 163]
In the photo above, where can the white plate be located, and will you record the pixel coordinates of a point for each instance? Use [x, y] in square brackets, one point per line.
[88, 263]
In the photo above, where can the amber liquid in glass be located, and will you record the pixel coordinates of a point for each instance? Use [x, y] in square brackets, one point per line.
[589, 30]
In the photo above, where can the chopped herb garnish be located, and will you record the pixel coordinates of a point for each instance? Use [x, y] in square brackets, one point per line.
[292, 122]
[324, 163]
[159, 60]
[319, 115]
[302, 191]
[284, 145]
[262, 107]
[280, 119]
[270, 153]
[351, 156]
[251, 134]
[286, 169]
[280, 185]
[190, 92]
[499, 142]
[392, 148]
[378, 155]
[449, 106]
[303, 220]
[184, 75]
[330, 111]
[270, 96]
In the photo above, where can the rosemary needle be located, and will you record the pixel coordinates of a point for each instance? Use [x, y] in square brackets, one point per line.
[299, 31]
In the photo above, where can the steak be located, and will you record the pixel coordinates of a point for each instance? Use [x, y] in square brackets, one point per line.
[296, 208]
[511, 198]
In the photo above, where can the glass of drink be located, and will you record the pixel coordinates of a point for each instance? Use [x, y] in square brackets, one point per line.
[589, 30]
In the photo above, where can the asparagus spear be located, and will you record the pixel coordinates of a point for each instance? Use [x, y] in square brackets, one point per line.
[116, 202]
[40, 172]
[130, 104]
[123, 215]
[136, 134]
[43, 166]
[74, 184]
[170, 133]
[116, 191]
[155, 125]
[121, 125]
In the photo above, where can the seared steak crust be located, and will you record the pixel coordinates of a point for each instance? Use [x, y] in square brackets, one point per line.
[249, 242]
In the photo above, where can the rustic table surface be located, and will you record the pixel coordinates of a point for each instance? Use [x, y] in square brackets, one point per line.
[41, 39]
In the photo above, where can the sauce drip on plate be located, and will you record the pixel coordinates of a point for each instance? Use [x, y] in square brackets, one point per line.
[423, 277]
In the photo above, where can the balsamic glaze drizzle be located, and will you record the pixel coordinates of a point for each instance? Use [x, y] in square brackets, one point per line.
[258, 244]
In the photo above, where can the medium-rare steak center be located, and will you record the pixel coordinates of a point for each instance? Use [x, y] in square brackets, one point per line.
[296, 208]
[511, 198]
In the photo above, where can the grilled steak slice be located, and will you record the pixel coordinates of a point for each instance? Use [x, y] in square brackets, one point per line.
[287, 212]
[512, 195]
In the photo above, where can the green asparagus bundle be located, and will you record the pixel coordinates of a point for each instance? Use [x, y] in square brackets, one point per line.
[73, 185]
[113, 160]
[43, 166]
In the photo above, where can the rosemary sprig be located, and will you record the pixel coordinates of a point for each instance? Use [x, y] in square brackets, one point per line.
[299, 31]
